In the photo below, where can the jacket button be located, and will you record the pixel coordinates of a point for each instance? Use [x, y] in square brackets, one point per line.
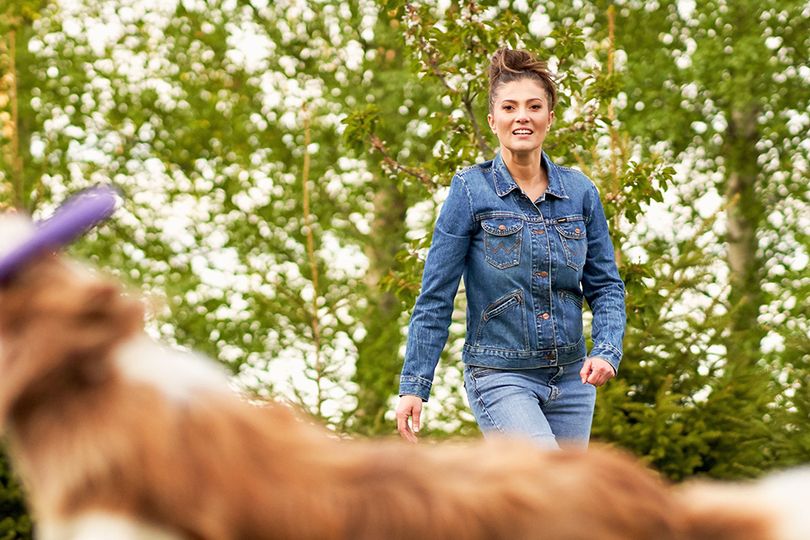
[577, 230]
[543, 274]
[544, 316]
[503, 228]
[539, 231]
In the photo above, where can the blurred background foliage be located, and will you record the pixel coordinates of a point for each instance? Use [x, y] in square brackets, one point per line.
[283, 162]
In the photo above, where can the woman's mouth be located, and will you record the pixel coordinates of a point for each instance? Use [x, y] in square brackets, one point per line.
[522, 131]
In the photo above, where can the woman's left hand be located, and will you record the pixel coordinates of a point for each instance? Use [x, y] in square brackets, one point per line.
[596, 371]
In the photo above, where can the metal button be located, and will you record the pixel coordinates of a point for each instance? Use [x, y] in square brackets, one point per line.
[577, 230]
[539, 231]
[545, 316]
[503, 228]
[543, 274]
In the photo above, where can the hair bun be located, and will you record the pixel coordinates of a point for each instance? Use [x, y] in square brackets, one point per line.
[515, 61]
[509, 65]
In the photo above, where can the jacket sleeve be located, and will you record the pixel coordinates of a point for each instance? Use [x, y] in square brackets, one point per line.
[428, 328]
[602, 286]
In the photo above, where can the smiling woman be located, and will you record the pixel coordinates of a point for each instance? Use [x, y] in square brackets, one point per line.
[531, 240]
[522, 96]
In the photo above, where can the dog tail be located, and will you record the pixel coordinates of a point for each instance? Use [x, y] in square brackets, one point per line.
[773, 508]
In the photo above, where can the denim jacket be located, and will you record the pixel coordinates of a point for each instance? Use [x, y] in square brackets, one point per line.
[527, 267]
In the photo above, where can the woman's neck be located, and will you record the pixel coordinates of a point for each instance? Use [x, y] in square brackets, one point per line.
[526, 170]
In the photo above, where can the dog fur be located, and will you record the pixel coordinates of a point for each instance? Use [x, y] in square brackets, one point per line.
[116, 436]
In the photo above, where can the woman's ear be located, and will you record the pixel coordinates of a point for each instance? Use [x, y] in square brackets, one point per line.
[491, 122]
[550, 120]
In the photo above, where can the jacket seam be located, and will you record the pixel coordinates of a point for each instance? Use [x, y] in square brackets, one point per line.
[594, 198]
[469, 195]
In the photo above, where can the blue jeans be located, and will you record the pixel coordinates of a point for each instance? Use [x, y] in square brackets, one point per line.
[550, 405]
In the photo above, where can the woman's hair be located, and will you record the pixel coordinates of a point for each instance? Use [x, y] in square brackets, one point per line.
[509, 65]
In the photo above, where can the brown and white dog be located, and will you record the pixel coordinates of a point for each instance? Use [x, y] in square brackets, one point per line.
[118, 437]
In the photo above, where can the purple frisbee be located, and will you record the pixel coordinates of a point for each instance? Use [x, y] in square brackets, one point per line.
[75, 217]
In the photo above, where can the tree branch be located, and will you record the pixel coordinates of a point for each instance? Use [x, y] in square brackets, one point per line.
[433, 61]
[480, 141]
[313, 264]
[395, 165]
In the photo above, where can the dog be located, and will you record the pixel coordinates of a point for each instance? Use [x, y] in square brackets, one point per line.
[118, 437]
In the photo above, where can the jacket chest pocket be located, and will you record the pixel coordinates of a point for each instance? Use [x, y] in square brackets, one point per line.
[502, 239]
[574, 242]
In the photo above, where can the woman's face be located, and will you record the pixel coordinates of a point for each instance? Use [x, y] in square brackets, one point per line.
[521, 116]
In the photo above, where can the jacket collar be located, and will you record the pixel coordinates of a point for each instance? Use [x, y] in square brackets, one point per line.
[504, 182]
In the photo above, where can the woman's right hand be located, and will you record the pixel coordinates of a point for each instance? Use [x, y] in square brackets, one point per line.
[409, 407]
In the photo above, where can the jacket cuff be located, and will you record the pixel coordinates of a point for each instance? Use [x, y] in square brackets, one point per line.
[414, 386]
[609, 353]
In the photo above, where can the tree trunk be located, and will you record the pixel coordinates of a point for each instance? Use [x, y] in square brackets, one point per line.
[378, 362]
[744, 217]
[10, 129]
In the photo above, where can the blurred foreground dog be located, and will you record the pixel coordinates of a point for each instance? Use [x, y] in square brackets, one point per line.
[117, 437]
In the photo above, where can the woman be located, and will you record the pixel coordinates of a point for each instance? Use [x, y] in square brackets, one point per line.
[531, 240]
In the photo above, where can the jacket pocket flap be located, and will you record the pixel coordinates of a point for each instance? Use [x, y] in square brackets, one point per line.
[502, 226]
[571, 229]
